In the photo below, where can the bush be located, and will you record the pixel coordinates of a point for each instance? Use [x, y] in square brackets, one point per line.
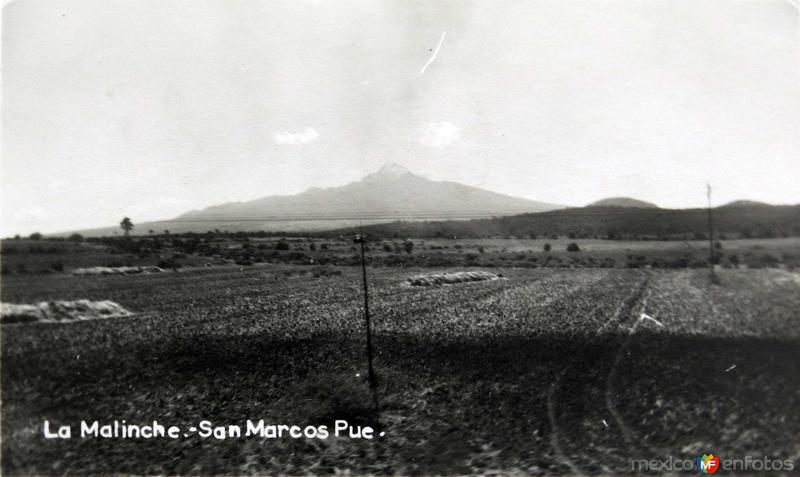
[547, 247]
[282, 245]
[244, 261]
[76, 238]
[698, 263]
[57, 266]
[387, 247]
[36, 236]
[408, 246]
[168, 263]
[573, 247]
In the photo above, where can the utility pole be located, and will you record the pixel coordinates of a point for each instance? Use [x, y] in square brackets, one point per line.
[710, 235]
[373, 385]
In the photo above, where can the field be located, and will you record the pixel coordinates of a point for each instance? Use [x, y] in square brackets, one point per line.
[549, 371]
[24, 256]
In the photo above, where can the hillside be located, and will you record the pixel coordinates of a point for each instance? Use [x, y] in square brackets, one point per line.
[612, 222]
[623, 202]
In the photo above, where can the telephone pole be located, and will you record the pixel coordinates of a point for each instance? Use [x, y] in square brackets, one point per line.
[710, 235]
[373, 385]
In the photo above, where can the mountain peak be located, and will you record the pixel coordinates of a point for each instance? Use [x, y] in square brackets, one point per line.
[389, 171]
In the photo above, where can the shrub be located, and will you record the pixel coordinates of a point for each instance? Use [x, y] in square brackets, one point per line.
[791, 260]
[76, 238]
[408, 246]
[573, 247]
[36, 236]
[282, 245]
[169, 263]
[547, 247]
[698, 263]
[244, 261]
[57, 266]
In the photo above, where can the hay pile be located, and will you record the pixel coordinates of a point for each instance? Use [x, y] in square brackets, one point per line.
[430, 279]
[61, 311]
[116, 270]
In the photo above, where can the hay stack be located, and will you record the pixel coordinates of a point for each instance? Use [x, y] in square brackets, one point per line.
[61, 311]
[430, 279]
[116, 270]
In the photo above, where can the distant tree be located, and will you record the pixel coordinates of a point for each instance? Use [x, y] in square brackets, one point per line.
[547, 247]
[408, 246]
[387, 247]
[151, 232]
[76, 238]
[481, 249]
[126, 225]
[312, 246]
[282, 245]
[36, 236]
[573, 247]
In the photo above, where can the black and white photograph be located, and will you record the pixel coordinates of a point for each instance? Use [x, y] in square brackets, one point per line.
[400, 238]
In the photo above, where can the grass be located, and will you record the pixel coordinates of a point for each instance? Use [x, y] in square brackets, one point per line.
[466, 372]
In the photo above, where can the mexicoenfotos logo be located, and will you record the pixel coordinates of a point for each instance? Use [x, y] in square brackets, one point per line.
[707, 464]
[711, 463]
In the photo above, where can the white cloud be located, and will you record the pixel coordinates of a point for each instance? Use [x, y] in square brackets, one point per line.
[307, 135]
[439, 134]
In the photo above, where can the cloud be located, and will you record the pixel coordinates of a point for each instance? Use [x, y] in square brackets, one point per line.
[306, 136]
[439, 134]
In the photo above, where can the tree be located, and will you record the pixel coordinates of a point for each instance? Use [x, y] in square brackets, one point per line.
[76, 238]
[126, 225]
[36, 236]
[573, 247]
[547, 247]
[408, 245]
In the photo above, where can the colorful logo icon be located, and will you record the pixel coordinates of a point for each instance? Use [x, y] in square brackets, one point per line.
[708, 464]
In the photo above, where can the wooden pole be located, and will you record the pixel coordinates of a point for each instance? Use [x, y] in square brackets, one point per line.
[710, 234]
[368, 324]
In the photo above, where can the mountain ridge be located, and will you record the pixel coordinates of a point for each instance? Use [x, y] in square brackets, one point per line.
[623, 202]
[390, 193]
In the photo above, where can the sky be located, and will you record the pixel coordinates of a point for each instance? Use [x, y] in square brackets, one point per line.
[149, 109]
